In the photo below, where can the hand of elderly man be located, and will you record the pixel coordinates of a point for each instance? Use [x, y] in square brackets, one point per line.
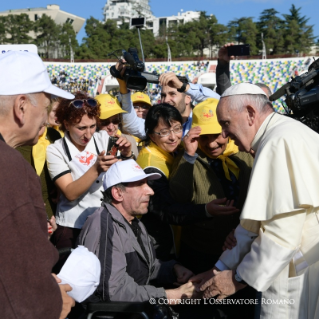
[185, 291]
[67, 301]
[191, 140]
[223, 284]
[215, 207]
[203, 278]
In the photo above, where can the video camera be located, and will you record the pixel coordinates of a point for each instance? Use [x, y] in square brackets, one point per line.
[134, 76]
[302, 97]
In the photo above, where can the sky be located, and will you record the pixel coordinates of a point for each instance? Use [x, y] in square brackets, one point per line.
[224, 10]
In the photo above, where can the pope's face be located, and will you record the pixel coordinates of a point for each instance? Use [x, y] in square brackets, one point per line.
[235, 124]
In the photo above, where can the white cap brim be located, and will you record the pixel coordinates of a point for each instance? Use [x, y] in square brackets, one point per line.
[54, 90]
[150, 177]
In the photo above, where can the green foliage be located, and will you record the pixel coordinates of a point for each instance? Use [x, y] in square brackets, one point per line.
[67, 35]
[52, 39]
[298, 35]
[272, 28]
[47, 35]
[245, 31]
[290, 33]
[17, 27]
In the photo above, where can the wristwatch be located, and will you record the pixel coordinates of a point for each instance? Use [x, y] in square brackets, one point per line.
[129, 157]
[239, 279]
[182, 88]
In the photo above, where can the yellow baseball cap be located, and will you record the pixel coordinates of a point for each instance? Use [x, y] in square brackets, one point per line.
[109, 106]
[204, 115]
[141, 97]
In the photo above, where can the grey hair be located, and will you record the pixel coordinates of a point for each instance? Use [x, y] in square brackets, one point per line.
[266, 87]
[6, 102]
[259, 101]
[107, 194]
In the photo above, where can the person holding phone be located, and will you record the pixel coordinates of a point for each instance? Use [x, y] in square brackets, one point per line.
[76, 164]
[111, 121]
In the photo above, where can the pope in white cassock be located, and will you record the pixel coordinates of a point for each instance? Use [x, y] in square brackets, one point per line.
[277, 249]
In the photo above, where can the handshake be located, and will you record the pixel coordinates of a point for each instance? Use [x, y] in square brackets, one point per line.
[207, 285]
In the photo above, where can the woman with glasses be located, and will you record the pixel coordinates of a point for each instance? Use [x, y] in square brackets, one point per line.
[163, 126]
[76, 164]
[111, 119]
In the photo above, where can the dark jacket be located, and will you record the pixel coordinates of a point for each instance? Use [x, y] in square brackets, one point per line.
[49, 190]
[197, 183]
[164, 211]
[27, 288]
[125, 270]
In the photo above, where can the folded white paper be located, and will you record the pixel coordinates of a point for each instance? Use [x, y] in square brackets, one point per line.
[82, 272]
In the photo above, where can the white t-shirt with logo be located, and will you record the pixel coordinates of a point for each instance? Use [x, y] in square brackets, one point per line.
[64, 158]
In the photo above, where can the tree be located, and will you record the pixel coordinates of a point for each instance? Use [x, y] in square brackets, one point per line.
[244, 30]
[66, 35]
[272, 28]
[298, 35]
[18, 27]
[47, 35]
[3, 38]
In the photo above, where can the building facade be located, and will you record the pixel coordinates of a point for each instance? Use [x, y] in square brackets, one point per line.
[53, 11]
[124, 10]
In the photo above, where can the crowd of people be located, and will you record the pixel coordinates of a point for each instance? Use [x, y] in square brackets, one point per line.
[178, 202]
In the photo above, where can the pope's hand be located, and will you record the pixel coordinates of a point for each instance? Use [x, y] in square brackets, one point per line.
[223, 284]
[205, 278]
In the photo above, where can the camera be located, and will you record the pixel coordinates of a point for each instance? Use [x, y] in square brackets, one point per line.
[135, 76]
[302, 97]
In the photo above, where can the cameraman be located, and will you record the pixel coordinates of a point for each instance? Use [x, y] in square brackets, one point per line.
[169, 94]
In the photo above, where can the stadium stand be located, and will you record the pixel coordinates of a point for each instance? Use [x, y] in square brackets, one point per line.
[90, 76]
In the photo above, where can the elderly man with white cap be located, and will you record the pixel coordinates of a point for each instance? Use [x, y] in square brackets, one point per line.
[27, 289]
[277, 249]
[121, 242]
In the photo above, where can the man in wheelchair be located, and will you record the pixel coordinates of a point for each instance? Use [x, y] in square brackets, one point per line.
[123, 246]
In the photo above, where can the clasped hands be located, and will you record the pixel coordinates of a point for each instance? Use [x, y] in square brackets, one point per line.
[216, 283]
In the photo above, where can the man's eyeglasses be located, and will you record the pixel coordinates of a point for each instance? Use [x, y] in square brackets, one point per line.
[78, 104]
[108, 122]
[166, 132]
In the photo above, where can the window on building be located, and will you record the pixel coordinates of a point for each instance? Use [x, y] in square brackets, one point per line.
[149, 24]
[172, 23]
[69, 20]
[36, 17]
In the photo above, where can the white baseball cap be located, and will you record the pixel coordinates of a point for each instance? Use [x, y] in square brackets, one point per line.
[24, 73]
[243, 89]
[126, 172]
[82, 271]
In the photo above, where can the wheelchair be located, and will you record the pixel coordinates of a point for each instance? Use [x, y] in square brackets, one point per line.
[121, 310]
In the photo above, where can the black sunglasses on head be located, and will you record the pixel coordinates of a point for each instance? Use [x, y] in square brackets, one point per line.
[78, 104]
